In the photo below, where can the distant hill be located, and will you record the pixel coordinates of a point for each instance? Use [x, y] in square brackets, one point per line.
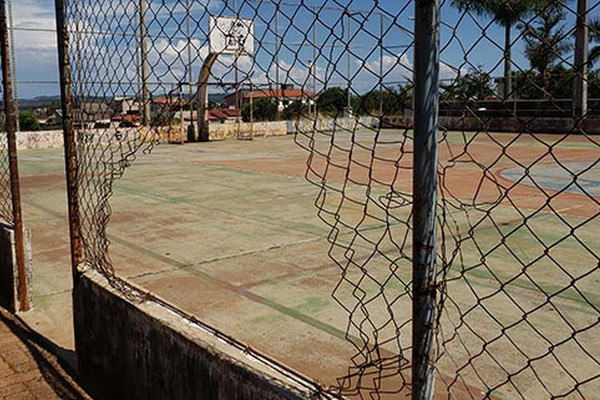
[217, 97]
[54, 101]
[40, 101]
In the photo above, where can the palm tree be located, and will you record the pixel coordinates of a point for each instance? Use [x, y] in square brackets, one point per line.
[594, 37]
[546, 41]
[505, 13]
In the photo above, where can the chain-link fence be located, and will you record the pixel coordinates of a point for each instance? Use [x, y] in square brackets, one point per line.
[519, 258]
[505, 180]
[5, 198]
[10, 201]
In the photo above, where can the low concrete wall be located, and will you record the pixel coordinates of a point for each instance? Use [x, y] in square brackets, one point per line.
[331, 124]
[229, 129]
[132, 350]
[39, 140]
[54, 139]
[9, 275]
[533, 125]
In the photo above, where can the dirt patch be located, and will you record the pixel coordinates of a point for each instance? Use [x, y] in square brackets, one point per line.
[35, 183]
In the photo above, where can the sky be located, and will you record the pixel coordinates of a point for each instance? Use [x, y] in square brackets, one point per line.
[467, 42]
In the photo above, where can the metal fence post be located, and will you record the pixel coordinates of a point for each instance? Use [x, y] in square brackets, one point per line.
[69, 137]
[11, 125]
[426, 77]
[580, 89]
[146, 111]
[13, 65]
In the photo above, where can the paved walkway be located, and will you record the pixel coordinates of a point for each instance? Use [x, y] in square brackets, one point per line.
[27, 369]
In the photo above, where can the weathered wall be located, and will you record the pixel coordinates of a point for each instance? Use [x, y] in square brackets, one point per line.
[54, 139]
[8, 289]
[9, 282]
[330, 124]
[508, 124]
[130, 350]
[39, 140]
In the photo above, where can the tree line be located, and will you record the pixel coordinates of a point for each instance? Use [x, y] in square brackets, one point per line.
[547, 45]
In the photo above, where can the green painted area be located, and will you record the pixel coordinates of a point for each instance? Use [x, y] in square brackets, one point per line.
[266, 319]
[581, 303]
[178, 222]
[313, 305]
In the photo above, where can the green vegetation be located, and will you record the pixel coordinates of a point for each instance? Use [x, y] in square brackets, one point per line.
[295, 110]
[29, 121]
[392, 102]
[506, 13]
[332, 101]
[263, 109]
[545, 44]
[473, 86]
[594, 39]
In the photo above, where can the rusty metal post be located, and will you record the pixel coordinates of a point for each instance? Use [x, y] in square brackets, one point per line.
[146, 111]
[13, 61]
[426, 77]
[15, 192]
[69, 137]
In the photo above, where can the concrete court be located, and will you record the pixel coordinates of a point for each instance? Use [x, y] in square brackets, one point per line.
[228, 231]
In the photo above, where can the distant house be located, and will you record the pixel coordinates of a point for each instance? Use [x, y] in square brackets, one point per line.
[168, 106]
[126, 119]
[125, 105]
[282, 97]
[172, 103]
[219, 114]
[89, 114]
[55, 118]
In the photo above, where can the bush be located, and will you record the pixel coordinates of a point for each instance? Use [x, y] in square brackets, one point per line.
[295, 110]
[263, 109]
[29, 121]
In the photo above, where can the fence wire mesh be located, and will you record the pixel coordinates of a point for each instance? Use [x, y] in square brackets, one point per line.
[518, 255]
[5, 196]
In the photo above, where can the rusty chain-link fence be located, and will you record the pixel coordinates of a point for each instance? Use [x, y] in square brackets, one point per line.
[5, 202]
[10, 194]
[458, 177]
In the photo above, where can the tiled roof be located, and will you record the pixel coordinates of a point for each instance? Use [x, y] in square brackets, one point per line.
[216, 114]
[170, 101]
[127, 117]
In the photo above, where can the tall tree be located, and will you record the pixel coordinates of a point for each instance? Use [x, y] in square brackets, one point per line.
[546, 40]
[474, 86]
[506, 13]
[594, 38]
[332, 101]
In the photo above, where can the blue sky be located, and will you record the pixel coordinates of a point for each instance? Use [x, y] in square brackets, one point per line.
[473, 42]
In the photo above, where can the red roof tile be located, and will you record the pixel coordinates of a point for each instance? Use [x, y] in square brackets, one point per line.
[216, 114]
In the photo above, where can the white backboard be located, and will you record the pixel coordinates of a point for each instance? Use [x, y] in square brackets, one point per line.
[231, 36]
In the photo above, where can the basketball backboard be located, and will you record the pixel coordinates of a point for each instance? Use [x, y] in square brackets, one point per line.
[231, 36]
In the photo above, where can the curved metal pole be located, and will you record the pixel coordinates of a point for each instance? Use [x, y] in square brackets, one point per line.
[203, 96]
